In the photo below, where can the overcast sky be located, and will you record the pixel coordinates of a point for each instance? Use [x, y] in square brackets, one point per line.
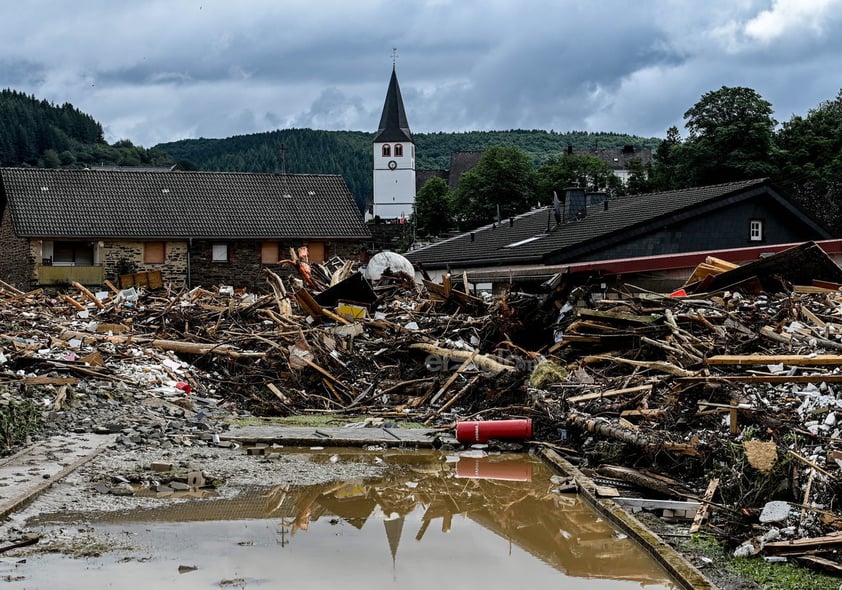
[162, 70]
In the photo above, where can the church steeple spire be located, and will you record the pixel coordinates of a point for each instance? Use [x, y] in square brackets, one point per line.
[393, 123]
[394, 158]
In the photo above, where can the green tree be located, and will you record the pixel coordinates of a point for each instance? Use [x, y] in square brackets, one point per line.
[731, 137]
[810, 161]
[504, 181]
[640, 177]
[580, 170]
[666, 173]
[51, 159]
[433, 208]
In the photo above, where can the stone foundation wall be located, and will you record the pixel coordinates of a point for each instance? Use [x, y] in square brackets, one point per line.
[244, 267]
[17, 262]
[120, 257]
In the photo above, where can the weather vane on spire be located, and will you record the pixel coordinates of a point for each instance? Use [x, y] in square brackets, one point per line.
[394, 55]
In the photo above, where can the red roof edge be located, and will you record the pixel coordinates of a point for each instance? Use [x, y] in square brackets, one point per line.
[833, 248]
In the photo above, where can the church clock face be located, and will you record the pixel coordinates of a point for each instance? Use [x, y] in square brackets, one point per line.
[392, 164]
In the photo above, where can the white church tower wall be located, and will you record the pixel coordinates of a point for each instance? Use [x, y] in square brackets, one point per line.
[394, 159]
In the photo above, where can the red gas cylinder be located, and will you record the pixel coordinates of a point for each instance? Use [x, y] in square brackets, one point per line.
[480, 432]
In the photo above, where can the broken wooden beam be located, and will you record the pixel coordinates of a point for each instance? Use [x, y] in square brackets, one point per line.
[71, 301]
[703, 511]
[775, 359]
[661, 366]
[825, 378]
[453, 377]
[629, 318]
[308, 304]
[800, 546]
[200, 348]
[86, 292]
[609, 393]
[480, 360]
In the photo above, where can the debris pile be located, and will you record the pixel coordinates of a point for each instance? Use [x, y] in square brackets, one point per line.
[719, 403]
[720, 407]
[383, 348]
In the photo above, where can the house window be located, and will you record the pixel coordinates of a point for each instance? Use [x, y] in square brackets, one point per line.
[73, 254]
[270, 253]
[154, 252]
[387, 151]
[219, 253]
[755, 233]
[398, 150]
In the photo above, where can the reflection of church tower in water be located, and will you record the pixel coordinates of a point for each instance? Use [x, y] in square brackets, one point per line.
[394, 159]
[394, 529]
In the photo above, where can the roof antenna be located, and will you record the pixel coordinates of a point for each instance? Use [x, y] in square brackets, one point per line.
[394, 56]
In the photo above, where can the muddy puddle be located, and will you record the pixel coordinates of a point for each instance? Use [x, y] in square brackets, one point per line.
[426, 520]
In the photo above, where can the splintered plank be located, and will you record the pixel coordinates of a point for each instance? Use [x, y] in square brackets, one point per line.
[763, 379]
[796, 546]
[278, 393]
[775, 359]
[72, 301]
[610, 393]
[621, 317]
[702, 513]
[643, 413]
[87, 293]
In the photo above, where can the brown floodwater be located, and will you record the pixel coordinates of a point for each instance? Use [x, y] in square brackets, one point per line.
[430, 522]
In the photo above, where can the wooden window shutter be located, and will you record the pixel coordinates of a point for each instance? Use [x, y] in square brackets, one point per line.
[317, 252]
[154, 252]
[269, 253]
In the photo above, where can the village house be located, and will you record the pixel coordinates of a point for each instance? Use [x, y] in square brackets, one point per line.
[647, 238]
[196, 228]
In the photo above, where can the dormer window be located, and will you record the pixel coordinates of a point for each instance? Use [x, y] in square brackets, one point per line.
[387, 151]
[398, 150]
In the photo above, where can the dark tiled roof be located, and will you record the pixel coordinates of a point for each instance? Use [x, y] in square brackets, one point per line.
[618, 159]
[461, 162]
[423, 176]
[132, 204]
[393, 122]
[527, 240]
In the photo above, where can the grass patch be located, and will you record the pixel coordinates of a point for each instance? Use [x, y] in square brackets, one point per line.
[18, 420]
[768, 576]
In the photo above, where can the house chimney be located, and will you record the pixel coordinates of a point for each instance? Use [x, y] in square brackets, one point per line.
[595, 199]
[574, 203]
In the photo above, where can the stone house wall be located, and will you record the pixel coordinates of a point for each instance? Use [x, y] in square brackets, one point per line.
[17, 262]
[244, 267]
[123, 257]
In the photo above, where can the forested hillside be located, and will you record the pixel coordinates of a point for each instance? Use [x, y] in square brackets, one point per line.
[38, 133]
[349, 153]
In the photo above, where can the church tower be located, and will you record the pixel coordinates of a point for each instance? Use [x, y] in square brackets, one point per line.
[394, 159]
